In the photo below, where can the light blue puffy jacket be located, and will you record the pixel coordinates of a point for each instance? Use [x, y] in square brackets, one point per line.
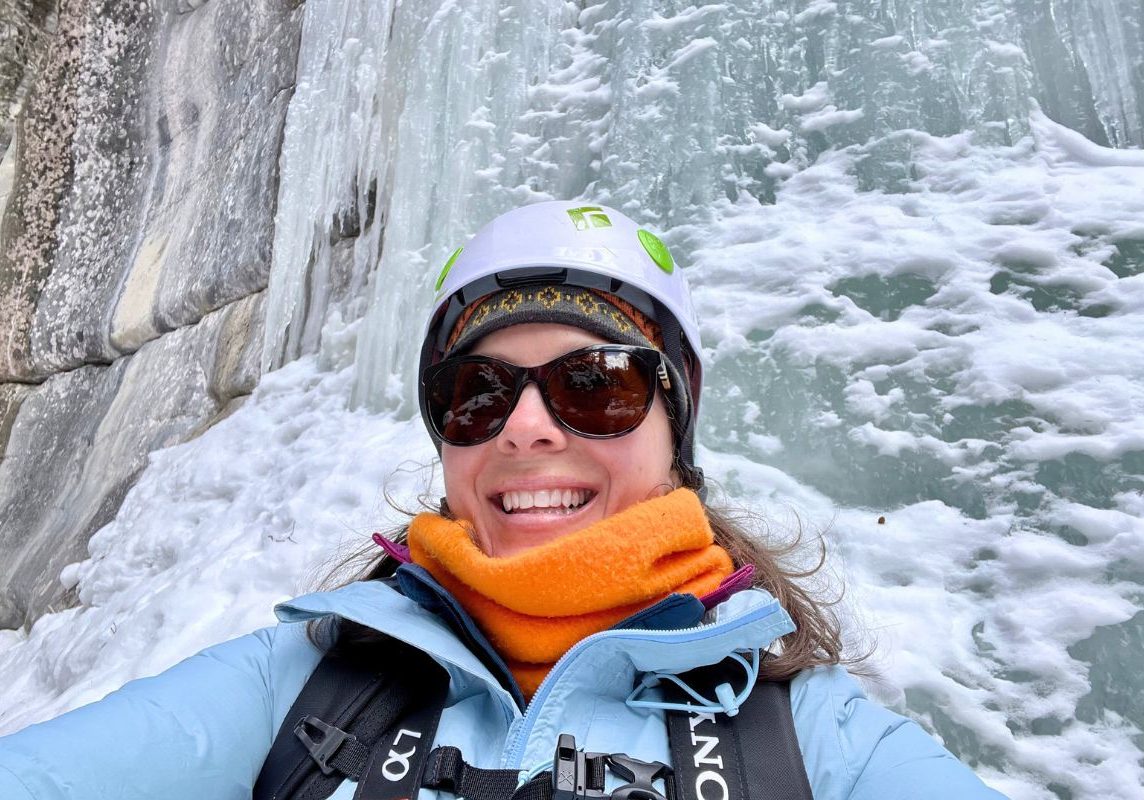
[201, 730]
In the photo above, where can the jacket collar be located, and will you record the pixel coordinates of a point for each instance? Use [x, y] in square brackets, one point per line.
[415, 582]
[647, 641]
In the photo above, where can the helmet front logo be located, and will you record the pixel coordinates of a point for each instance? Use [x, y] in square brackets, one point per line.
[589, 217]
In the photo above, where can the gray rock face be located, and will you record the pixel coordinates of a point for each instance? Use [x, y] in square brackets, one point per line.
[141, 189]
[216, 147]
[43, 169]
[145, 178]
[23, 38]
[11, 396]
[48, 449]
[76, 443]
[97, 228]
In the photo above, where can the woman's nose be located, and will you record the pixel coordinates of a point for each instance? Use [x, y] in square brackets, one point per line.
[530, 426]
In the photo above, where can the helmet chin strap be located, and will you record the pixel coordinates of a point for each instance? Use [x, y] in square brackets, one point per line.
[673, 349]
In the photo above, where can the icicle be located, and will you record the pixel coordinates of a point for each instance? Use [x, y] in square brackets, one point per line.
[328, 226]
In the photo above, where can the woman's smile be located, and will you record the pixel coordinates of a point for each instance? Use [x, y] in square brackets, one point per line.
[557, 500]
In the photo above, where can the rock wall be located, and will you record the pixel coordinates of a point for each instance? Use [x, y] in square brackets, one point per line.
[135, 250]
[24, 29]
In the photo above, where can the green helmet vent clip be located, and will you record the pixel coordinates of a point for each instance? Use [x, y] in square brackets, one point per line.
[445, 269]
[657, 250]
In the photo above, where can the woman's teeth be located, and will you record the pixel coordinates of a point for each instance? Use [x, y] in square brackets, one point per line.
[555, 499]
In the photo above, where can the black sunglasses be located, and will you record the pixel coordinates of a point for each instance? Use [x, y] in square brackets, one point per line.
[598, 392]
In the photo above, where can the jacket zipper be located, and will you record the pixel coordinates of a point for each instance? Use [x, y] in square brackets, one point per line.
[681, 636]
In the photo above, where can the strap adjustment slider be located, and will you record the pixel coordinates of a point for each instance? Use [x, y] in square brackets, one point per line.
[572, 775]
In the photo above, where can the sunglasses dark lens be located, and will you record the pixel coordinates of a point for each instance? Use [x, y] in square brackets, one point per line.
[600, 392]
[469, 400]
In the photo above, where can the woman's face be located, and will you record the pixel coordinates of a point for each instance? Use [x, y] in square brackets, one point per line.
[533, 457]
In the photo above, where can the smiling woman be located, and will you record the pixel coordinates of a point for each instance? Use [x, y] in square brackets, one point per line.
[564, 624]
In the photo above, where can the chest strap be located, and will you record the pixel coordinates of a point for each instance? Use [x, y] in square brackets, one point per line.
[375, 725]
[575, 775]
[447, 771]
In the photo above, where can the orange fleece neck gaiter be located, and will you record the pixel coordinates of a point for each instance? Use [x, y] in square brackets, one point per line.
[535, 605]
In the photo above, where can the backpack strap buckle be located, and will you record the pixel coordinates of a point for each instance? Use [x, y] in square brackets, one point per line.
[325, 747]
[577, 775]
[639, 775]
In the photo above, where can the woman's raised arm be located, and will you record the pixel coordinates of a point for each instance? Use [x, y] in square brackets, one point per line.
[199, 730]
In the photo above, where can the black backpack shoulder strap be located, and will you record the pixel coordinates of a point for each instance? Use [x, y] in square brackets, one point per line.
[753, 755]
[346, 707]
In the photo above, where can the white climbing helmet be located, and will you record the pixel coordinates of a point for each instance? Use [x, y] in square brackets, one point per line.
[573, 244]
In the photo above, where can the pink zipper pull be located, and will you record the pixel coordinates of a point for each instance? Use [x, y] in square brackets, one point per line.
[392, 549]
[737, 581]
